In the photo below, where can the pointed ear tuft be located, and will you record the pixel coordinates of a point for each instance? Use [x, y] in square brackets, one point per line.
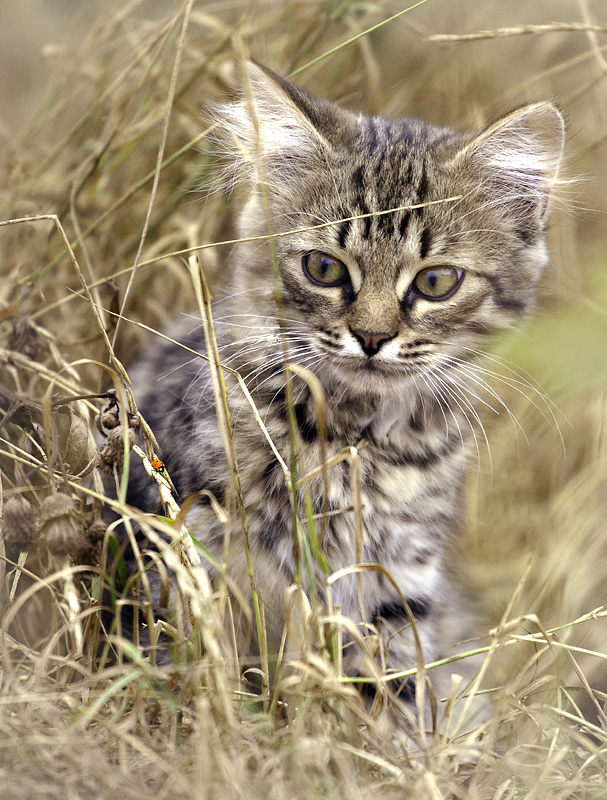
[274, 128]
[519, 156]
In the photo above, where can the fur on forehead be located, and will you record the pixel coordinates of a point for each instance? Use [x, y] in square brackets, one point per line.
[277, 132]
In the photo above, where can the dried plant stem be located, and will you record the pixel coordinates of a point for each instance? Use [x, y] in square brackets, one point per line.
[203, 297]
[2, 547]
[187, 10]
[518, 30]
[270, 237]
[358, 36]
[592, 36]
[356, 484]
[224, 243]
[120, 203]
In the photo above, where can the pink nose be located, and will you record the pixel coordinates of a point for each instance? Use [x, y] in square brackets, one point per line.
[371, 342]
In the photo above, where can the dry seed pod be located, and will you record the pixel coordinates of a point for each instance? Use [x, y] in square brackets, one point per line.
[134, 421]
[91, 548]
[111, 451]
[23, 338]
[19, 523]
[108, 417]
[60, 525]
[76, 455]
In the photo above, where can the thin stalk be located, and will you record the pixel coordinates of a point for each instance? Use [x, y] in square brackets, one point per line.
[203, 297]
[187, 251]
[356, 38]
[124, 199]
[163, 139]
[292, 484]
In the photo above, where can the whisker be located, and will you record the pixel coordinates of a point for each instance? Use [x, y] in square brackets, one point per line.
[522, 379]
[522, 374]
[456, 392]
[466, 369]
[438, 403]
[301, 361]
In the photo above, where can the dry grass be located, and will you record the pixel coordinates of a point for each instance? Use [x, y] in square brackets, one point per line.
[105, 190]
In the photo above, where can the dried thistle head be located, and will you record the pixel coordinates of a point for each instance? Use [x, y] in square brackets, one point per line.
[19, 523]
[109, 416]
[111, 452]
[60, 525]
[22, 337]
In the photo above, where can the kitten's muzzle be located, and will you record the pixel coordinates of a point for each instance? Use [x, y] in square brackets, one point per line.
[371, 342]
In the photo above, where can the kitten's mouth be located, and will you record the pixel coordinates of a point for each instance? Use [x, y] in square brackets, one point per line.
[378, 369]
[371, 364]
[372, 371]
[379, 365]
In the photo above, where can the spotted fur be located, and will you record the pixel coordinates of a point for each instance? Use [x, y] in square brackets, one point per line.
[405, 384]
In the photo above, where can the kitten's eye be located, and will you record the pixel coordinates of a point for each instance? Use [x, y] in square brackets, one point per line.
[325, 270]
[437, 283]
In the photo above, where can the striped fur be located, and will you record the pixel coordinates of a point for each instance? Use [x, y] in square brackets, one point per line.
[414, 398]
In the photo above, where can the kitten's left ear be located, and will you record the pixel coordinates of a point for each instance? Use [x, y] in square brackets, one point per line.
[519, 156]
[281, 105]
[276, 122]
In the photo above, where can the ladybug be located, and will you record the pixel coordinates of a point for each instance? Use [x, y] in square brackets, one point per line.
[157, 466]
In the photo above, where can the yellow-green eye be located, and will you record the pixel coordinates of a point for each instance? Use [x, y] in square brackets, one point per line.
[437, 283]
[325, 270]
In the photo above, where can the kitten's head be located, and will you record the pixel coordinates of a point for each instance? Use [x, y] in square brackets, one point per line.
[410, 240]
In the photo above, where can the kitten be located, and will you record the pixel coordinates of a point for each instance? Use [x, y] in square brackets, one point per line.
[409, 244]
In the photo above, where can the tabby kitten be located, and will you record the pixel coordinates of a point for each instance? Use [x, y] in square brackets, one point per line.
[407, 244]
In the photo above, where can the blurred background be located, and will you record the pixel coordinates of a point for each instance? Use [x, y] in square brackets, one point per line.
[83, 88]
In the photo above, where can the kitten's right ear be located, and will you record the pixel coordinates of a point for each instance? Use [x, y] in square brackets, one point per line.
[275, 126]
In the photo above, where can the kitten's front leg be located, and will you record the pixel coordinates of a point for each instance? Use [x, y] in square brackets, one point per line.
[408, 635]
[449, 692]
[391, 637]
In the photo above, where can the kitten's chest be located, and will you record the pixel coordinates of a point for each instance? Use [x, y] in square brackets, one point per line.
[393, 439]
[400, 481]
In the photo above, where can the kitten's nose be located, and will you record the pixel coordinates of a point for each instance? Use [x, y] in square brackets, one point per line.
[371, 342]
